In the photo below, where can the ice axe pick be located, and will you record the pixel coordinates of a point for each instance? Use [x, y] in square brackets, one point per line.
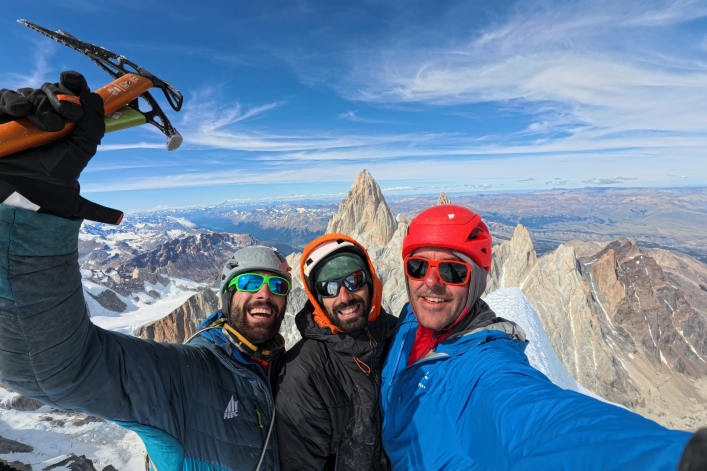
[120, 98]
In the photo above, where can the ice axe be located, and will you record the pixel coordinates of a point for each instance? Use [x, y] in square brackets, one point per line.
[120, 98]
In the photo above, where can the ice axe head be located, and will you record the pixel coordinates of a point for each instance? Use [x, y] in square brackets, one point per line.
[118, 66]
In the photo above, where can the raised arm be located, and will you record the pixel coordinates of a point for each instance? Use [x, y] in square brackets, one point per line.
[516, 413]
[49, 349]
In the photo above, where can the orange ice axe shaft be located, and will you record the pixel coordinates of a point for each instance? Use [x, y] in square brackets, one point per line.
[21, 134]
[120, 98]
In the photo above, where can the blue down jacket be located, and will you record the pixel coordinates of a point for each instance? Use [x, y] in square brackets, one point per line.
[475, 403]
[196, 407]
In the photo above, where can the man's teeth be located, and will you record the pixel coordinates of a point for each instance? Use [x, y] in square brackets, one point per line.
[434, 300]
[260, 312]
[349, 310]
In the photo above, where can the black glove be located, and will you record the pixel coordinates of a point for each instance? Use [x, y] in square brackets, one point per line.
[694, 458]
[47, 175]
[48, 107]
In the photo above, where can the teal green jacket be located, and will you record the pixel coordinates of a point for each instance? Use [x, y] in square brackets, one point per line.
[196, 406]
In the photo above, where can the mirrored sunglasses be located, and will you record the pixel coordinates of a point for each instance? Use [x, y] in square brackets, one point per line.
[451, 272]
[252, 282]
[353, 282]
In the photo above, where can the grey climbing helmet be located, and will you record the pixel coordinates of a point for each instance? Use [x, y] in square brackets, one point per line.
[252, 258]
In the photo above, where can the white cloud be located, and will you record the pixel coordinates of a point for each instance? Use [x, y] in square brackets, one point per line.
[578, 66]
[134, 145]
[606, 181]
[41, 71]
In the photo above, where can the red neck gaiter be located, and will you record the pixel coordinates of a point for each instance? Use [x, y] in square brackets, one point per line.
[265, 364]
[427, 339]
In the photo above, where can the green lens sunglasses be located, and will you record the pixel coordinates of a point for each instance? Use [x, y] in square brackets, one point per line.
[252, 282]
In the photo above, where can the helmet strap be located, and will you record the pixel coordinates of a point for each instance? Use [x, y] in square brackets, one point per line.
[274, 348]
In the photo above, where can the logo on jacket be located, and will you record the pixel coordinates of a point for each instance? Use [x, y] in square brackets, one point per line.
[231, 409]
[423, 382]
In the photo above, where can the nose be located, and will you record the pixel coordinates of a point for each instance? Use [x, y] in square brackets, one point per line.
[264, 292]
[432, 279]
[344, 295]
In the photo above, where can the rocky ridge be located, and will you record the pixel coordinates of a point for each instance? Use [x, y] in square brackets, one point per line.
[180, 324]
[196, 257]
[617, 323]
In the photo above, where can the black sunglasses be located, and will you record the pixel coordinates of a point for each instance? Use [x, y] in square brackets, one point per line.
[353, 282]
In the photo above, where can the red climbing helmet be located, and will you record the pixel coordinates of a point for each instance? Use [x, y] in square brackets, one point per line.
[451, 227]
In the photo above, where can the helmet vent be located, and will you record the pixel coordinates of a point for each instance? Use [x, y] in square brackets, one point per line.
[472, 236]
[309, 261]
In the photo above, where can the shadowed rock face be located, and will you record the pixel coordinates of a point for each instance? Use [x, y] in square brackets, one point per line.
[181, 323]
[22, 403]
[74, 463]
[655, 313]
[11, 446]
[364, 215]
[109, 300]
[200, 257]
[619, 325]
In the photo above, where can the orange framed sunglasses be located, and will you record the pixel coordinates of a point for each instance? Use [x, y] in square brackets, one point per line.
[451, 272]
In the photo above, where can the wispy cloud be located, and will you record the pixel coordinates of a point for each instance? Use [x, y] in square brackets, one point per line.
[569, 63]
[135, 145]
[40, 73]
[353, 116]
[606, 181]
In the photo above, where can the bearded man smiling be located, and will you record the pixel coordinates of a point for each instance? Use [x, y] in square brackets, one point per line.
[327, 402]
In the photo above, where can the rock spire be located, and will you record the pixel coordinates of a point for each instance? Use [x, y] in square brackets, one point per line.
[443, 199]
[364, 215]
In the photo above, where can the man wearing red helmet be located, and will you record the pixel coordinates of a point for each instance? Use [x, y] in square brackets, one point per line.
[458, 391]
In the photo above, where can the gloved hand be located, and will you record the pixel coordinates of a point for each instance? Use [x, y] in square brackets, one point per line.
[46, 108]
[45, 178]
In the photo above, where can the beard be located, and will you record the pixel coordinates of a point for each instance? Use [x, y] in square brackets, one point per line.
[261, 333]
[352, 325]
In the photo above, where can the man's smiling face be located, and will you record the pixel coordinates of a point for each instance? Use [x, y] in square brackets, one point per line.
[348, 310]
[257, 316]
[436, 305]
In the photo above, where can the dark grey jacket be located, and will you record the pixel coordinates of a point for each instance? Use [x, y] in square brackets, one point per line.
[328, 415]
[174, 396]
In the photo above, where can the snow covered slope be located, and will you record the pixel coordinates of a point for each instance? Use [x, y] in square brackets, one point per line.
[511, 304]
[54, 435]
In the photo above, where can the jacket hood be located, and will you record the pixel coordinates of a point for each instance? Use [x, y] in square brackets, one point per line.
[318, 313]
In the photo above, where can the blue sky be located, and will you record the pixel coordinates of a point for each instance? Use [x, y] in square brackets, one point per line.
[295, 98]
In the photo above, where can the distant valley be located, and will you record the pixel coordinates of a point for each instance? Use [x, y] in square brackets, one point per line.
[674, 219]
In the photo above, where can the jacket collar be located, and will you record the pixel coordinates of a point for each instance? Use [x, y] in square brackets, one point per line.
[360, 345]
[463, 335]
[215, 329]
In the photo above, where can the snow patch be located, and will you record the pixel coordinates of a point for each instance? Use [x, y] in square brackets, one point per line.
[512, 304]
